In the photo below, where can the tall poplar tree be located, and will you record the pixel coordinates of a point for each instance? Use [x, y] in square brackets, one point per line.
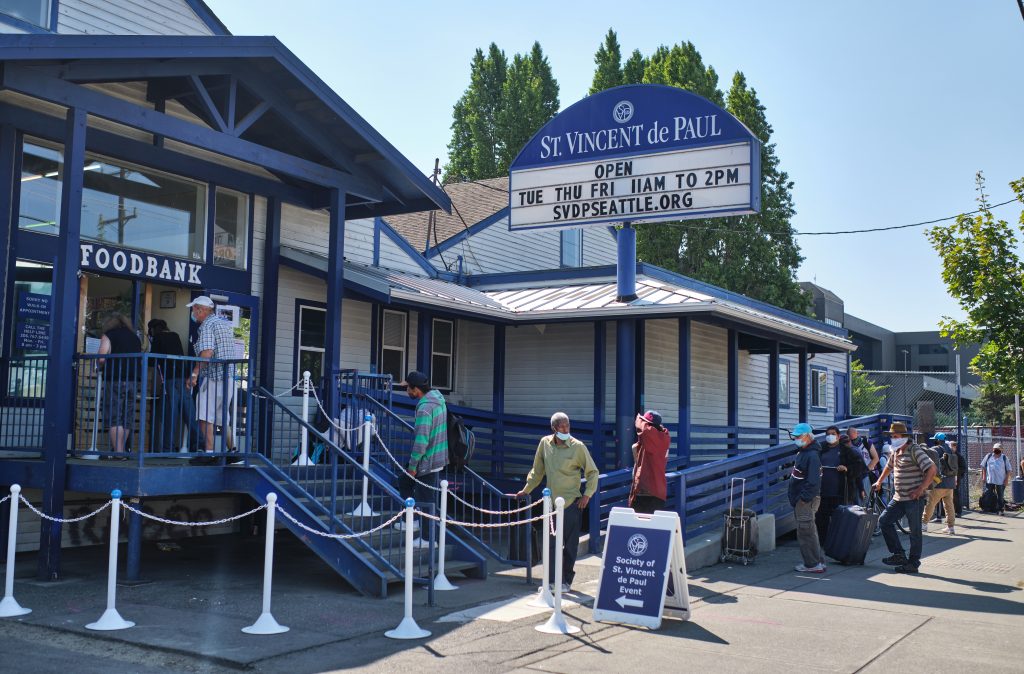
[504, 105]
[608, 58]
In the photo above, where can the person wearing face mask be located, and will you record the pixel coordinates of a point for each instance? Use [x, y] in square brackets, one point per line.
[804, 496]
[838, 463]
[563, 459]
[869, 455]
[913, 471]
[650, 453]
[996, 473]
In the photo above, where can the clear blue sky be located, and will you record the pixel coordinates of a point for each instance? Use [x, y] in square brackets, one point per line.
[883, 111]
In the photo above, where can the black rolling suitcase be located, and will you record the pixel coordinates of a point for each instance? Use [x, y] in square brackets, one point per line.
[849, 534]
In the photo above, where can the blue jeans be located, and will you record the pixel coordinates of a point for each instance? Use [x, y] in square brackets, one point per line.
[887, 522]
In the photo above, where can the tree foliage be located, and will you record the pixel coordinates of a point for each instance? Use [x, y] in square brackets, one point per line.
[984, 273]
[868, 397]
[756, 255]
[504, 105]
[994, 406]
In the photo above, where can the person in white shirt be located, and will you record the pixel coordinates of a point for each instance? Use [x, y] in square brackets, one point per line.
[995, 473]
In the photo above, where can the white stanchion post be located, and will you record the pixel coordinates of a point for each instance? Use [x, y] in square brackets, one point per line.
[544, 597]
[93, 453]
[9, 607]
[303, 459]
[111, 619]
[364, 509]
[408, 629]
[441, 581]
[556, 623]
[266, 624]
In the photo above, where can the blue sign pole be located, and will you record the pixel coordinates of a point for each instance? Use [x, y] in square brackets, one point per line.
[626, 268]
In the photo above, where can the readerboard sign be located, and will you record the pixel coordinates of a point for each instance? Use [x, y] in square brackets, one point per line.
[637, 153]
[642, 554]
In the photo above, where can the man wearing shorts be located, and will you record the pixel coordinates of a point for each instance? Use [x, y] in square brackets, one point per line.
[216, 340]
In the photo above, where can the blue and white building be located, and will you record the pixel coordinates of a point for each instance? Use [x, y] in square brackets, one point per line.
[148, 156]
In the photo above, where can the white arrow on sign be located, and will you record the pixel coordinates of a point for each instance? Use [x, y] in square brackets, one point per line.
[624, 602]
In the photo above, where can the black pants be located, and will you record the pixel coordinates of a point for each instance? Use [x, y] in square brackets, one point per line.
[647, 504]
[573, 519]
[958, 505]
[824, 516]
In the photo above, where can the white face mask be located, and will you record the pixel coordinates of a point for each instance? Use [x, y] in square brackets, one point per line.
[896, 443]
[830, 439]
[564, 437]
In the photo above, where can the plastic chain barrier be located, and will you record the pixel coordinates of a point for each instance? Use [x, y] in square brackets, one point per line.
[453, 495]
[324, 534]
[279, 393]
[61, 519]
[338, 427]
[179, 523]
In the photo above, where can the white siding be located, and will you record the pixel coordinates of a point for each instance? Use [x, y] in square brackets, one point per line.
[496, 249]
[833, 362]
[359, 240]
[259, 244]
[661, 369]
[474, 365]
[789, 416]
[129, 17]
[709, 375]
[550, 371]
[304, 229]
[393, 257]
[753, 390]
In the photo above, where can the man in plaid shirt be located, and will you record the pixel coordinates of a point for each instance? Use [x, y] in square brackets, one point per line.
[216, 340]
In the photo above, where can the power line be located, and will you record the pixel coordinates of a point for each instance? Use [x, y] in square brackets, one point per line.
[913, 224]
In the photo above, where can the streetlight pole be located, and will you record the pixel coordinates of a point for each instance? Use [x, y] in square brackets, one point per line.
[906, 382]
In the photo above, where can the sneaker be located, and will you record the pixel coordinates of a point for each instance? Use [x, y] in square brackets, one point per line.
[817, 568]
[906, 568]
[420, 544]
[924, 527]
[899, 559]
[566, 588]
[950, 531]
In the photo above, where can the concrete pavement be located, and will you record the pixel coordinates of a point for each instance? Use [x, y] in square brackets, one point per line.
[964, 612]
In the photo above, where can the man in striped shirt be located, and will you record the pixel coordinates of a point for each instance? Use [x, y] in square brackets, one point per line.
[913, 471]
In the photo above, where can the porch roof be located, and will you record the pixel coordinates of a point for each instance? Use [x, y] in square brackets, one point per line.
[259, 103]
[584, 299]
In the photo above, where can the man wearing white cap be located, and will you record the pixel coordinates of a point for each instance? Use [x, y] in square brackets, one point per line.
[216, 340]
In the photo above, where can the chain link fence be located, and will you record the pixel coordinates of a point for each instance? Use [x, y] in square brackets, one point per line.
[930, 398]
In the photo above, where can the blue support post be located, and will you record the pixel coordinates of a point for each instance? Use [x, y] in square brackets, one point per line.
[134, 560]
[733, 387]
[683, 435]
[269, 293]
[424, 337]
[639, 399]
[335, 294]
[498, 402]
[600, 385]
[63, 330]
[625, 389]
[802, 387]
[626, 267]
[773, 392]
[8, 149]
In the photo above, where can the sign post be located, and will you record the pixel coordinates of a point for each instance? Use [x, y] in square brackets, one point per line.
[643, 570]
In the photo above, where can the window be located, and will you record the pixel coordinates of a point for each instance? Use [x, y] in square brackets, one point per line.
[819, 389]
[311, 336]
[394, 333]
[783, 383]
[572, 247]
[932, 350]
[442, 354]
[42, 169]
[230, 229]
[30, 335]
[142, 208]
[36, 12]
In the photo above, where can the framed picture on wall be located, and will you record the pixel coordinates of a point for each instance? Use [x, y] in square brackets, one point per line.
[168, 299]
[230, 313]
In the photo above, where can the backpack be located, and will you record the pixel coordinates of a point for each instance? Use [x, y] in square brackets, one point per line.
[989, 501]
[461, 442]
[933, 454]
[949, 464]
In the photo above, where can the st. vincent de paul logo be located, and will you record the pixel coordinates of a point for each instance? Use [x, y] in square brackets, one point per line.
[637, 545]
[622, 112]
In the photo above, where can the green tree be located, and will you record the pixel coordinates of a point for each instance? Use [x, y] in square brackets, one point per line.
[994, 406]
[868, 396]
[633, 71]
[608, 58]
[504, 105]
[984, 273]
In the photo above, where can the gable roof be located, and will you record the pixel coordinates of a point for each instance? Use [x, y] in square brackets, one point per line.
[474, 201]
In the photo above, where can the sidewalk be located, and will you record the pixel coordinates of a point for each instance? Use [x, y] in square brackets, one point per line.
[964, 612]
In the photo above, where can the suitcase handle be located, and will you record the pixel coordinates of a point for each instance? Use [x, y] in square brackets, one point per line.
[743, 493]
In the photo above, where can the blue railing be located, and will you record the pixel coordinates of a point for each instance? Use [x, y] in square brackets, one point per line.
[23, 403]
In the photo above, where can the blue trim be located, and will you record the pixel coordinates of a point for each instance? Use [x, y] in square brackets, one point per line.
[207, 16]
[424, 341]
[376, 242]
[600, 389]
[54, 15]
[685, 402]
[818, 408]
[625, 388]
[269, 293]
[732, 378]
[8, 164]
[803, 393]
[335, 296]
[211, 217]
[407, 248]
[375, 338]
[498, 399]
[786, 404]
[472, 230]
[640, 369]
[773, 385]
[21, 24]
[311, 304]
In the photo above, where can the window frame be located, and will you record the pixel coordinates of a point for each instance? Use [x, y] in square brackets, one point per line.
[297, 348]
[784, 402]
[211, 226]
[382, 346]
[815, 372]
[561, 248]
[451, 356]
[31, 26]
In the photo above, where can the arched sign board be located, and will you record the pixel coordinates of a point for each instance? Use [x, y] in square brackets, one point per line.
[636, 153]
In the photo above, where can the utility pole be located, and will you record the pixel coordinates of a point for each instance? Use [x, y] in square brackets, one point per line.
[1016, 397]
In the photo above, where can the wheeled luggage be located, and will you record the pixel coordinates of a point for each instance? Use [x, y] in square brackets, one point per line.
[849, 534]
[739, 538]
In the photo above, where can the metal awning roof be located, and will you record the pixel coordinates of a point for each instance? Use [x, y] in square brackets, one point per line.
[565, 301]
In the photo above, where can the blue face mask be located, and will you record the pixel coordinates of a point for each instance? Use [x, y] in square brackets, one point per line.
[564, 437]
[192, 317]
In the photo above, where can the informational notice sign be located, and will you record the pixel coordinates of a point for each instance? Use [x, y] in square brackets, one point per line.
[643, 571]
[32, 336]
[34, 305]
[637, 153]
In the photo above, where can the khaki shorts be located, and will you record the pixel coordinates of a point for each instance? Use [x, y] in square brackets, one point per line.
[212, 401]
